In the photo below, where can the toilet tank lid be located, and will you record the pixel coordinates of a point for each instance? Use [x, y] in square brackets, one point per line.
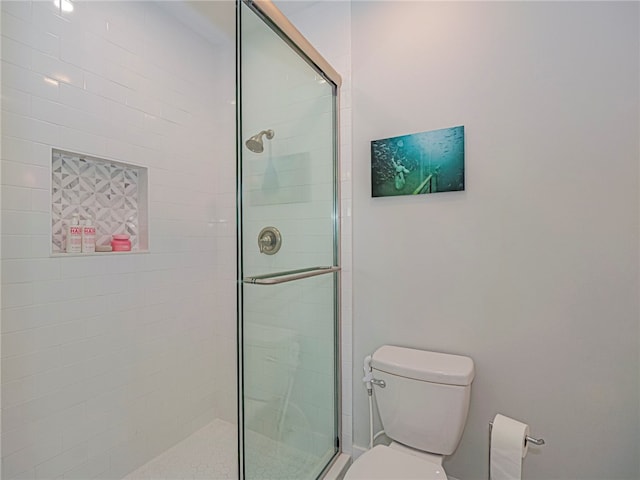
[423, 365]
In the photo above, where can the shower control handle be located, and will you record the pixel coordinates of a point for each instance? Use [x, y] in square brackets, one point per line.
[269, 240]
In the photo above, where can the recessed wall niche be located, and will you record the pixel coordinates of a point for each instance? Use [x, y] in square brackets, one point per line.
[113, 194]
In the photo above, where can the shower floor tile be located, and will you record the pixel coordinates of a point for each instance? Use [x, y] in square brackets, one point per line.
[211, 454]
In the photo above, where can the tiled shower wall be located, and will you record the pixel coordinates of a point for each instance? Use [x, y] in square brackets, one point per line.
[106, 361]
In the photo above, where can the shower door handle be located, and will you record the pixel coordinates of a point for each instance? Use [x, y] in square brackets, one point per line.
[289, 275]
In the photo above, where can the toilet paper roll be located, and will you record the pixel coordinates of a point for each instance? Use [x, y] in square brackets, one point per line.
[508, 448]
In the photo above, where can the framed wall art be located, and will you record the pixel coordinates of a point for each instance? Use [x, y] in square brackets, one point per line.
[426, 162]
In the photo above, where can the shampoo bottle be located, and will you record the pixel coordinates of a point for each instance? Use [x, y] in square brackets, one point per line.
[88, 237]
[74, 236]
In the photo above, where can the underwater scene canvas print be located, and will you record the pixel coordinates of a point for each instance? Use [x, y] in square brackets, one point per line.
[426, 162]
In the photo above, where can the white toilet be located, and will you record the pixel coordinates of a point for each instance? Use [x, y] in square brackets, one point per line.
[423, 406]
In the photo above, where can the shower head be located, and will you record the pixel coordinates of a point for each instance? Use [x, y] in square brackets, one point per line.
[255, 143]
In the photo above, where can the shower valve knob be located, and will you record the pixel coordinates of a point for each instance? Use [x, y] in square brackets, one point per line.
[269, 240]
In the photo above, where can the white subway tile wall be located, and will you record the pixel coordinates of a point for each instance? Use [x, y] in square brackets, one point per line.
[107, 361]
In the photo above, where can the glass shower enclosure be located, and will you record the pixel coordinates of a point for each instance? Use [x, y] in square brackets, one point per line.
[288, 262]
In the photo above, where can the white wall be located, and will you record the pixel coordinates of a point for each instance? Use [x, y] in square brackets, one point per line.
[533, 270]
[108, 360]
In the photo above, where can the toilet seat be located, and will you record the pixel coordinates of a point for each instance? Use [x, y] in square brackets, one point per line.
[384, 463]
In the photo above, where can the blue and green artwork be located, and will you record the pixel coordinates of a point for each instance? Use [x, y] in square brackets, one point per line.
[426, 162]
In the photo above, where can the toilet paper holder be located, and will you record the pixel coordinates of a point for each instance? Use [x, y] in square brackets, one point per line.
[527, 439]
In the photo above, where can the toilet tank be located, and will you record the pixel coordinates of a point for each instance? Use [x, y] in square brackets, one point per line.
[425, 402]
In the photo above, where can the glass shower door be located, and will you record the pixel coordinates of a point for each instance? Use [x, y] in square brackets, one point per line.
[289, 257]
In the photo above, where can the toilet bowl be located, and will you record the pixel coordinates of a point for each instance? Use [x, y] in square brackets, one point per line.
[423, 400]
[386, 463]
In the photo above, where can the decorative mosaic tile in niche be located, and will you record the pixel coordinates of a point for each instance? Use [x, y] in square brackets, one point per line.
[112, 194]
